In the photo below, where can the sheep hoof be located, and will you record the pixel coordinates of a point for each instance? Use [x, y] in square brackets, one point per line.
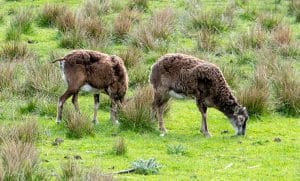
[57, 121]
[95, 121]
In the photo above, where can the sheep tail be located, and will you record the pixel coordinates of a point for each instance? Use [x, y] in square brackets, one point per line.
[60, 59]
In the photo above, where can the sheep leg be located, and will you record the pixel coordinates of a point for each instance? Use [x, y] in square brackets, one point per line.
[159, 103]
[60, 105]
[75, 102]
[203, 109]
[113, 111]
[96, 106]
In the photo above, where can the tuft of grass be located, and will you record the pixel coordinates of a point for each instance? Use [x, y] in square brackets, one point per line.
[250, 13]
[14, 51]
[294, 8]
[287, 89]
[268, 20]
[23, 20]
[206, 40]
[77, 125]
[13, 34]
[282, 35]
[70, 170]
[135, 113]
[124, 21]
[146, 167]
[231, 74]
[49, 13]
[96, 8]
[93, 27]
[66, 21]
[29, 107]
[131, 56]
[95, 174]
[161, 23]
[142, 37]
[142, 5]
[176, 149]
[43, 78]
[73, 39]
[7, 76]
[212, 20]
[255, 96]
[138, 75]
[27, 132]
[119, 147]
[18, 160]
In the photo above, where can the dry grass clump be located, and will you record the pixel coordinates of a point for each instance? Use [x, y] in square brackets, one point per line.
[119, 147]
[27, 132]
[66, 21]
[13, 34]
[161, 23]
[287, 89]
[7, 76]
[124, 21]
[48, 15]
[255, 96]
[19, 160]
[206, 40]
[131, 56]
[42, 78]
[282, 35]
[77, 125]
[135, 114]
[14, 51]
[269, 20]
[71, 170]
[94, 27]
[143, 37]
[96, 8]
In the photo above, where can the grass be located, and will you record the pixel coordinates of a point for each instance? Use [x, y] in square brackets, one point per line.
[30, 86]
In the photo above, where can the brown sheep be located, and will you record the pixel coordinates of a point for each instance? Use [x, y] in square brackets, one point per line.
[183, 75]
[93, 72]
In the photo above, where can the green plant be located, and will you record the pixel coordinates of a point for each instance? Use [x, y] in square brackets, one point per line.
[142, 5]
[13, 34]
[23, 20]
[268, 20]
[176, 149]
[287, 89]
[146, 167]
[29, 107]
[14, 51]
[135, 113]
[255, 96]
[73, 39]
[77, 125]
[211, 20]
[119, 147]
[49, 13]
[138, 75]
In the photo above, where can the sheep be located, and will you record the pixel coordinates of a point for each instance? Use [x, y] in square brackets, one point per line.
[93, 72]
[179, 75]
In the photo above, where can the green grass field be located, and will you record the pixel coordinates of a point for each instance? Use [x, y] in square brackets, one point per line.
[270, 150]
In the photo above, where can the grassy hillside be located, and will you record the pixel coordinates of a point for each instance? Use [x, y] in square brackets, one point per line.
[255, 43]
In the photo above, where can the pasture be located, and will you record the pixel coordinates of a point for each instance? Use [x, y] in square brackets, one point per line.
[255, 43]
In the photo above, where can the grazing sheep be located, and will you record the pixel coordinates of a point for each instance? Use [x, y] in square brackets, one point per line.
[182, 75]
[93, 72]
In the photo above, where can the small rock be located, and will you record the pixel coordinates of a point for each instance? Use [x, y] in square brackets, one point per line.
[44, 160]
[30, 41]
[225, 132]
[77, 157]
[240, 142]
[66, 157]
[277, 140]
